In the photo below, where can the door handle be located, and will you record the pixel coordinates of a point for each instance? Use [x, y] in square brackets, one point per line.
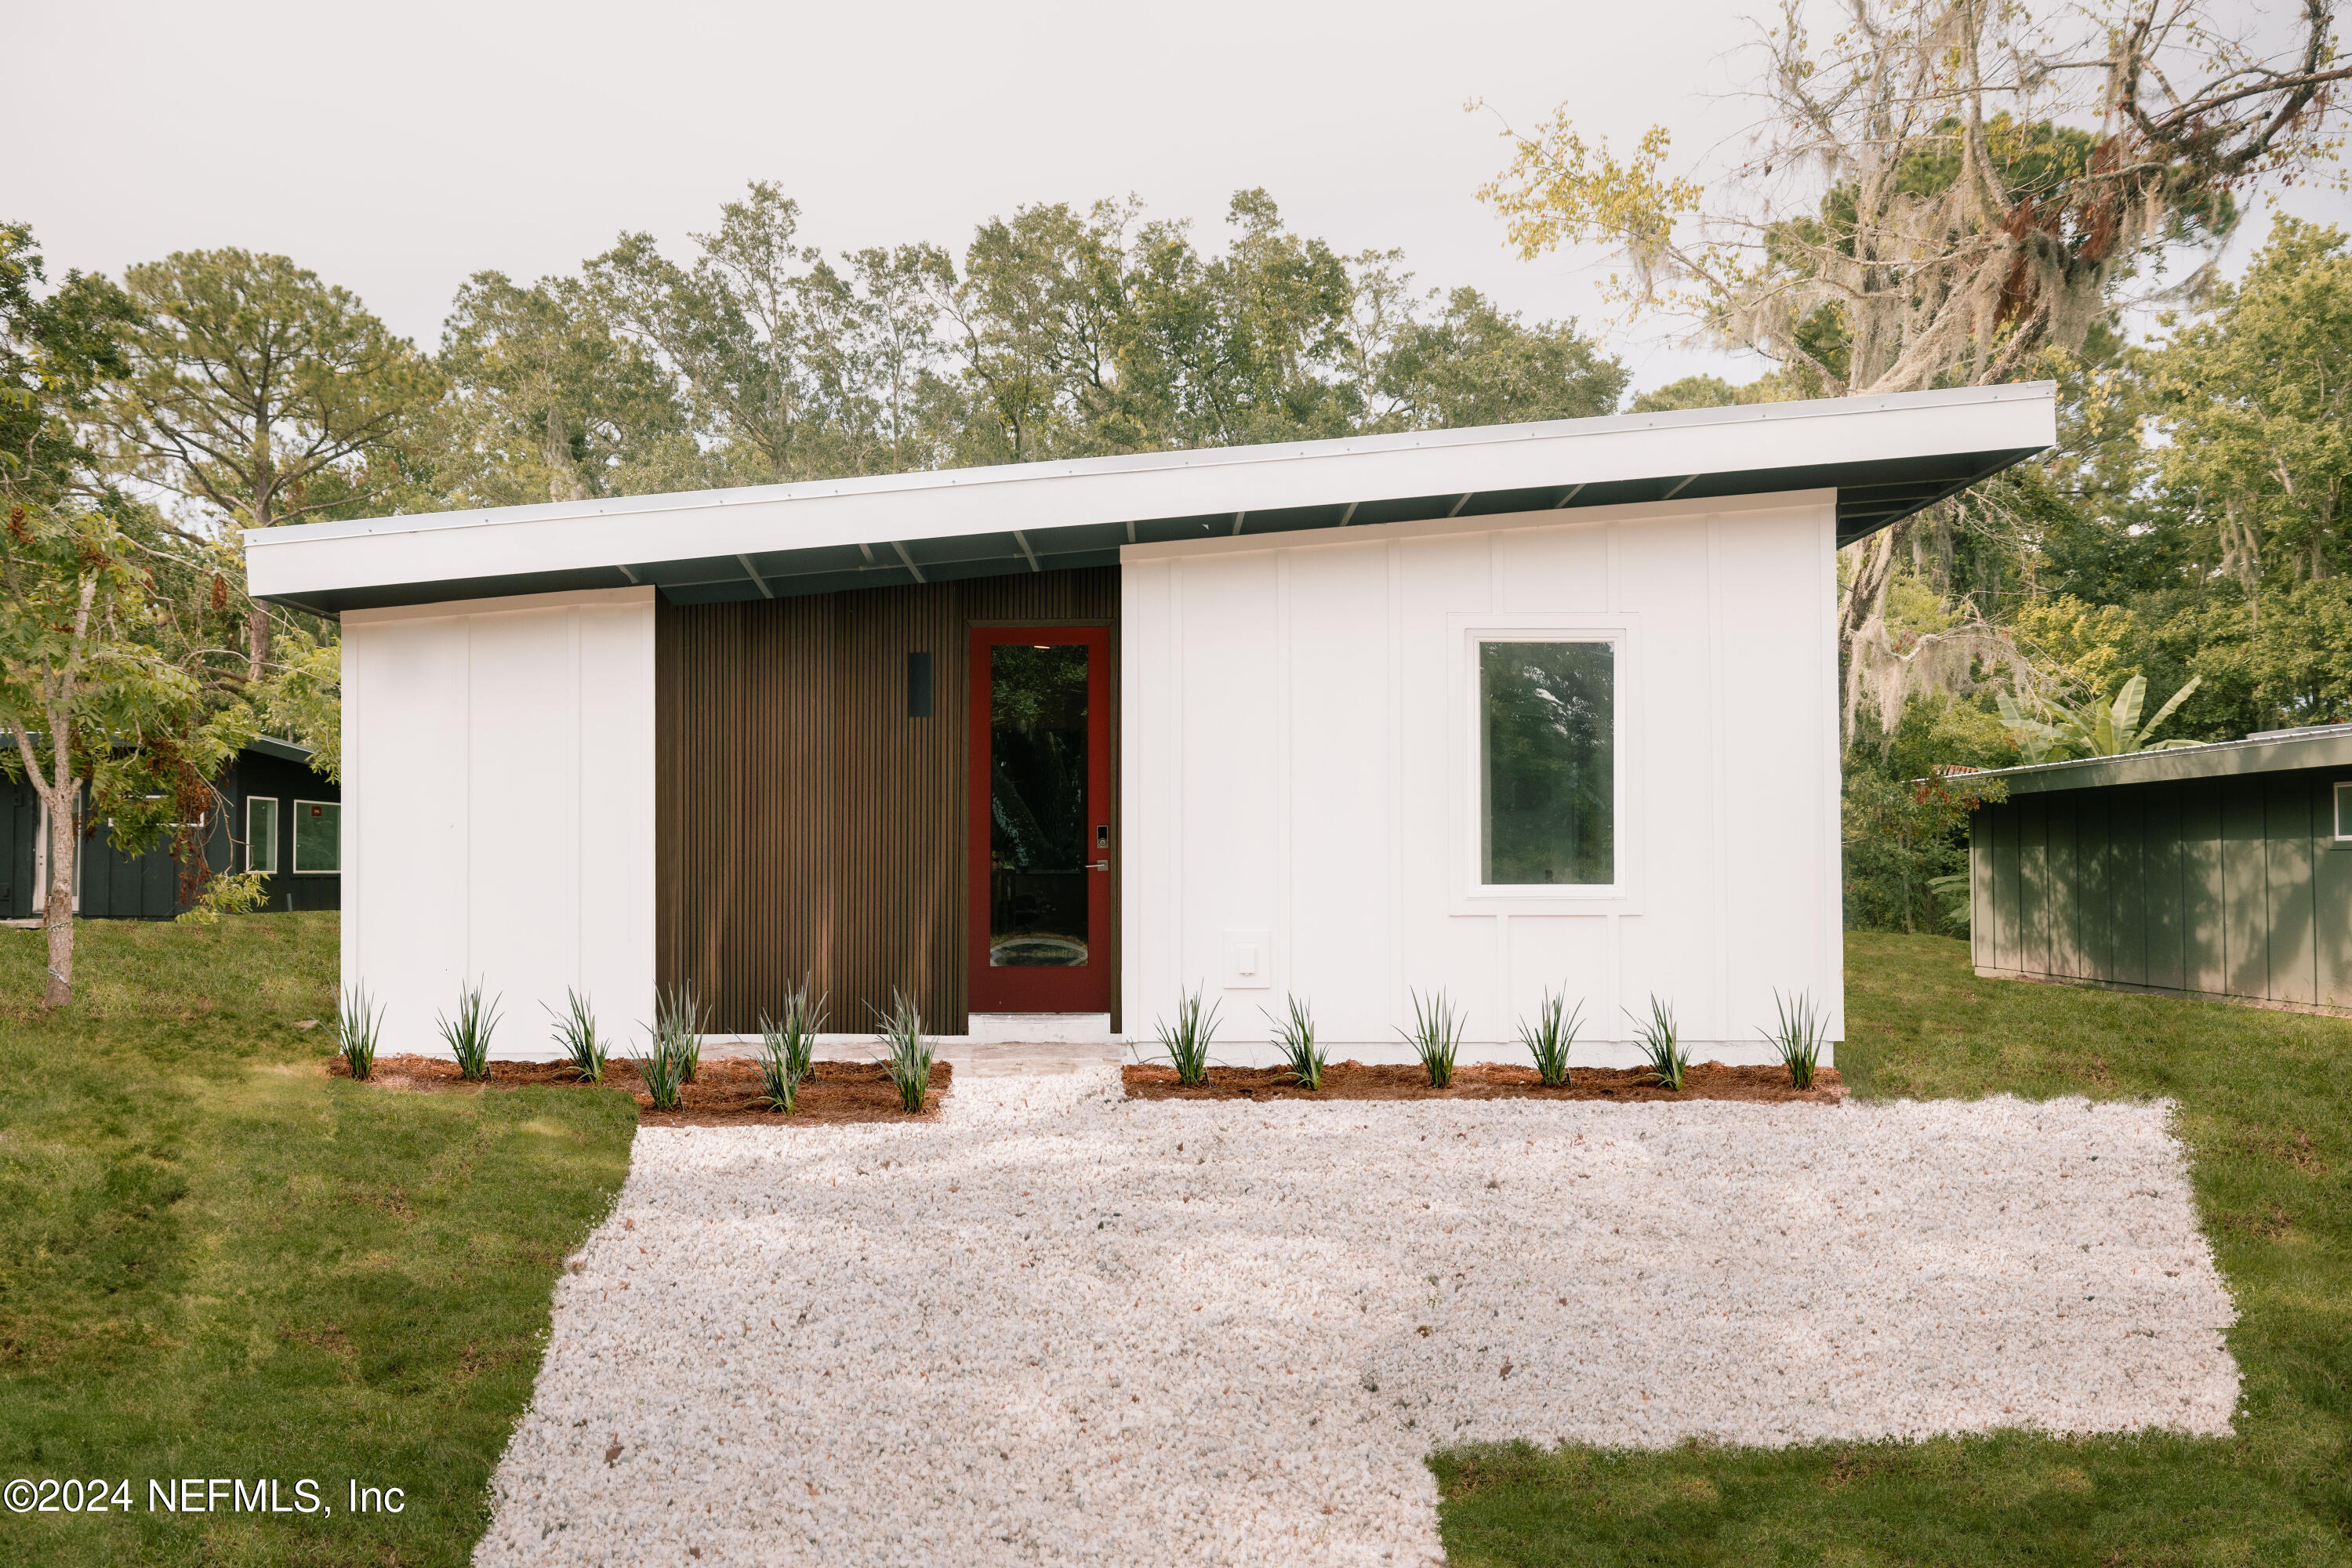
[1098, 865]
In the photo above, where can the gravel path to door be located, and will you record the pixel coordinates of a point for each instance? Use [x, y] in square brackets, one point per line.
[1060, 1327]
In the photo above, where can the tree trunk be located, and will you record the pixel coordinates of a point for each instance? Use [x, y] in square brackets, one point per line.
[256, 639]
[57, 919]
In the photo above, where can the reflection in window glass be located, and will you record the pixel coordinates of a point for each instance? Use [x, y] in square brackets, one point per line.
[260, 834]
[1547, 764]
[318, 836]
[1037, 806]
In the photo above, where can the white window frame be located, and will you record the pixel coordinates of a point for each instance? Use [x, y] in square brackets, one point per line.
[296, 841]
[1466, 893]
[275, 815]
[2342, 789]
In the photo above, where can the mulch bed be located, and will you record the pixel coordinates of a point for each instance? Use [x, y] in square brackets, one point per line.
[725, 1092]
[1482, 1081]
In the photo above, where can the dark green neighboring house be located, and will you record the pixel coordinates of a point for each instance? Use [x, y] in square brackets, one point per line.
[275, 815]
[2219, 871]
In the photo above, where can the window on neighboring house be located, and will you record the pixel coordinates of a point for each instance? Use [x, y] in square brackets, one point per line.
[318, 837]
[260, 833]
[1547, 764]
[2344, 809]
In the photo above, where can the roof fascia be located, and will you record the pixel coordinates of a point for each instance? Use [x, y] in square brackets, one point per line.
[330, 559]
[2223, 759]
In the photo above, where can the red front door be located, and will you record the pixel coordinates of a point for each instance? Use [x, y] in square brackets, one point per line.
[1041, 829]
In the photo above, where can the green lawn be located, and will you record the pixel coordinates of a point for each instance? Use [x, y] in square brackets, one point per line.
[216, 1262]
[2266, 1110]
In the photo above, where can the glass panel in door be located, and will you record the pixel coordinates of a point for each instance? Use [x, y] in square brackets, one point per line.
[1038, 765]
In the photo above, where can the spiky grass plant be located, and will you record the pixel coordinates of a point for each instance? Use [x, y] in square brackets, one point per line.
[1798, 1036]
[358, 1026]
[1435, 1035]
[575, 1031]
[662, 1066]
[780, 1076]
[796, 1028]
[1551, 1036]
[906, 1052]
[677, 1018]
[1294, 1037]
[468, 1034]
[1662, 1047]
[1186, 1041]
[788, 1049]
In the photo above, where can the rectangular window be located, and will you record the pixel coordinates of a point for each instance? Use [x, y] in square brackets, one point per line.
[260, 834]
[2344, 810]
[1547, 764]
[318, 837]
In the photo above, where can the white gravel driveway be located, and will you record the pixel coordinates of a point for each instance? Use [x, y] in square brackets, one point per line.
[1060, 1327]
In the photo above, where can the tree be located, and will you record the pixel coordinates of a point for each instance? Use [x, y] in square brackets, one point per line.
[57, 352]
[552, 402]
[2257, 400]
[792, 368]
[1962, 186]
[88, 702]
[1476, 364]
[254, 388]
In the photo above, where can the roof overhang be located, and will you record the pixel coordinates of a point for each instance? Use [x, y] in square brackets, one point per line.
[2220, 759]
[1885, 458]
[284, 751]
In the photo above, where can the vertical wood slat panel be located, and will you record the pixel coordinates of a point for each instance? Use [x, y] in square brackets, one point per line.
[2204, 953]
[2163, 825]
[2128, 884]
[2033, 885]
[1983, 918]
[2245, 889]
[808, 827]
[2063, 885]
[2288, 918]
[2009, 941]
[2331, 889]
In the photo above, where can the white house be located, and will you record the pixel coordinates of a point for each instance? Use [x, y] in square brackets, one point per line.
[1493, 710]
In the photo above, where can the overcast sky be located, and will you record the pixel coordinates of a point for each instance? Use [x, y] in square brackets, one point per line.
[395, 149]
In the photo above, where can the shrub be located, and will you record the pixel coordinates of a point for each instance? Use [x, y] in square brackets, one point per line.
[225, 893]
[469, 1034]
[1902, 839]
[679, 1018]
[1798, 1036]
[1435, 1037]
[1186, 1040]
[906, 1054]
[1295, 1036]
[1552, 1037]
[357, 1028]
[575, 1031]
[1662, 1045]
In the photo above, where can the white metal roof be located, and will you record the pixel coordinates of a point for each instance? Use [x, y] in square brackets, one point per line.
[1886, 457]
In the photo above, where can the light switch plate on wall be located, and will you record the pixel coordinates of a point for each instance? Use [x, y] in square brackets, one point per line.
[1249, 958]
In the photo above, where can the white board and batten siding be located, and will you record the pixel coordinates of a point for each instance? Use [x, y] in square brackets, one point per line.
[1299, 789]
[499, 794]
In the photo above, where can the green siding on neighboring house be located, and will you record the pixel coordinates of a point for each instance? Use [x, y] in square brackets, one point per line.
[2230, 886]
